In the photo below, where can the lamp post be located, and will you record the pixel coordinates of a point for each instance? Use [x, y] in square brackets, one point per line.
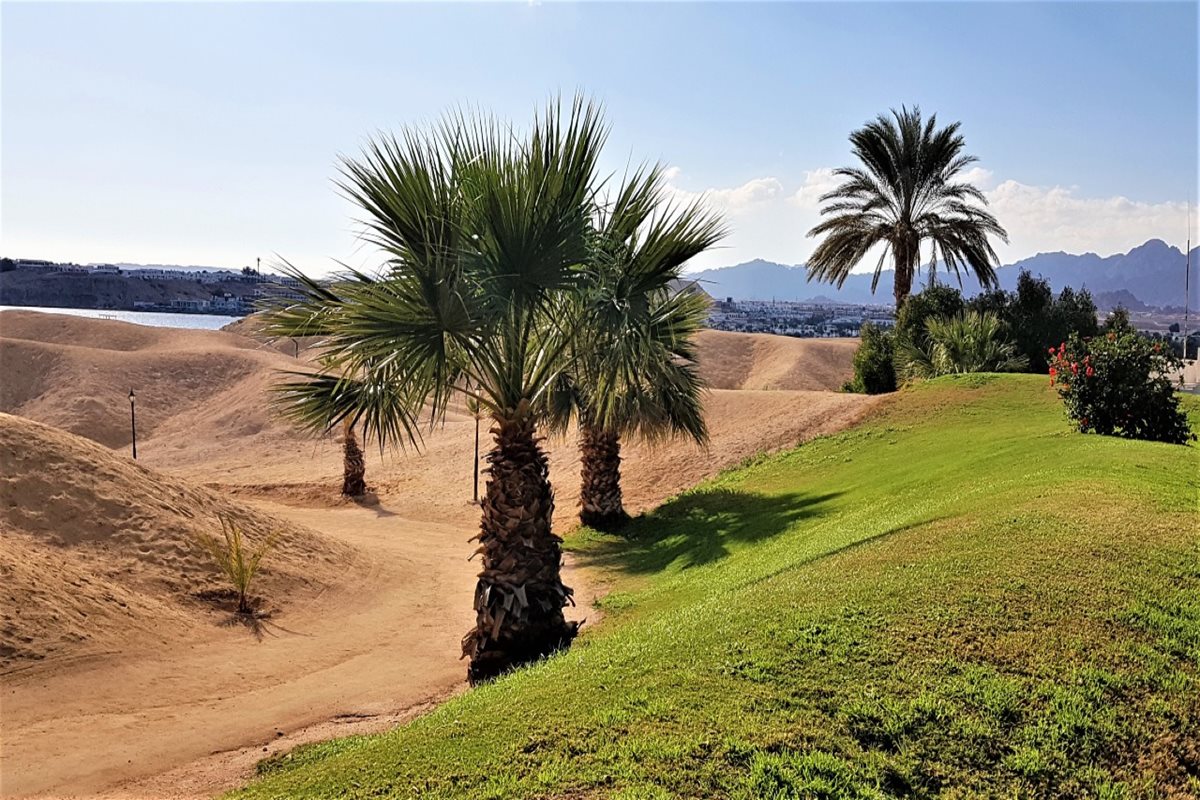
[133, 423]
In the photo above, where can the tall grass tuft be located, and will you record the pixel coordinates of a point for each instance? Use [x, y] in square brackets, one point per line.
[236, 561]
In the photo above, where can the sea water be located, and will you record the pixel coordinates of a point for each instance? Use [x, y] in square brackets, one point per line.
[154, 319]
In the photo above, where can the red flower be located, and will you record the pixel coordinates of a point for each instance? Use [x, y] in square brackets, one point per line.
[1051, 351]
[1074, 368]
[1053, 372]
[1090, 372]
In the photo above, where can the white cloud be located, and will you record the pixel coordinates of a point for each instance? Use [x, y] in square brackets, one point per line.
[817, 182]
[1042, 218]
[755, 192]
[982, 178]
[769, 220]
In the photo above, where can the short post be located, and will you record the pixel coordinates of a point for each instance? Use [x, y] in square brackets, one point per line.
[133, 423]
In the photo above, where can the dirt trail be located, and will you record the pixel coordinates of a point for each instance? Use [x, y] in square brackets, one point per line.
[384, 644]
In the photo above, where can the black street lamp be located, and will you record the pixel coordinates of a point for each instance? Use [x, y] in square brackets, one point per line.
[133, 423]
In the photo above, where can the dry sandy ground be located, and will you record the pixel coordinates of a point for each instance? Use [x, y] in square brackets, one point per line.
[156, 698]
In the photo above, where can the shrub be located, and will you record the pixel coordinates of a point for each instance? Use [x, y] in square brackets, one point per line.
[1117, 385]
[236, 562]
[935, 301]
[1035, 319]
[968, 342]
[874, 366]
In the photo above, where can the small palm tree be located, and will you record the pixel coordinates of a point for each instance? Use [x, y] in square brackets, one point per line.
[634, 371]
[969, 342]
[904, 195]
[237, 562]
[486, 233]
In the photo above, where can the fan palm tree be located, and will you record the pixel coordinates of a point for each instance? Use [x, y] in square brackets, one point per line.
[634, 371]
[354, 464]
[906, 193]
[969, 342]
[486, 233]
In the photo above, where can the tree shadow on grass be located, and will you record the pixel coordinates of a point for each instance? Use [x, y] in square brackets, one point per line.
[699, 528]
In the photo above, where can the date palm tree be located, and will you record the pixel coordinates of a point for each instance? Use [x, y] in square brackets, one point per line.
[634, 372]
[907, 192]
[486, 235]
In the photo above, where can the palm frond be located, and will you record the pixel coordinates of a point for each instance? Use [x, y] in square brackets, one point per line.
[482, 229]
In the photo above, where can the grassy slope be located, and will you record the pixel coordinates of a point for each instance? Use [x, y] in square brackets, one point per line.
[960, 597]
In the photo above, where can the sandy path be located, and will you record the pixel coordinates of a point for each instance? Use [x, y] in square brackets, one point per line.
[372, 654]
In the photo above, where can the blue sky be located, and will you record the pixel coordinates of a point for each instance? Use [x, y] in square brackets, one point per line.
[208, 133]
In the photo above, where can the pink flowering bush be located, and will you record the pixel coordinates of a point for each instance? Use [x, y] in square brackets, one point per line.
[1117, 384]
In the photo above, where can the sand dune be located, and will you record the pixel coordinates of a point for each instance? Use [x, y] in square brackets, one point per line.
[764, 361]
[97, 549]
[75, 373]
[109, 656]
[202, 412]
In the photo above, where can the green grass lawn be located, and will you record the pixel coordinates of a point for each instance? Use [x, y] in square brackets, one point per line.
[959, 598]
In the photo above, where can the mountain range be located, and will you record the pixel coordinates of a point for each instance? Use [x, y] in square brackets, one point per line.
[1151, 274]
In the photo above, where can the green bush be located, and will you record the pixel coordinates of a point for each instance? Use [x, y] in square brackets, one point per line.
[912, 320]
[1117, 385]
[874, 362]
[1035, 319]
[964, 343]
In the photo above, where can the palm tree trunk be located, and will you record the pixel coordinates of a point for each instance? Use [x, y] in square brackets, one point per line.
[903, 280]
[354, 465]
[520, 596]
[600, 490]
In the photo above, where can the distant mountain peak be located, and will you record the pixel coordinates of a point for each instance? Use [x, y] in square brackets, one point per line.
[1152, 272]
[1153, 244]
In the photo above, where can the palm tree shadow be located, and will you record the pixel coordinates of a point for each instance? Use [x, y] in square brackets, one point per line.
[258, 623]
[370, 501]
[698, 528]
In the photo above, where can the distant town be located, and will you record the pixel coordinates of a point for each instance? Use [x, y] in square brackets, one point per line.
[207, 290]
[805, 320]
[238, 292]
[131, 287]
